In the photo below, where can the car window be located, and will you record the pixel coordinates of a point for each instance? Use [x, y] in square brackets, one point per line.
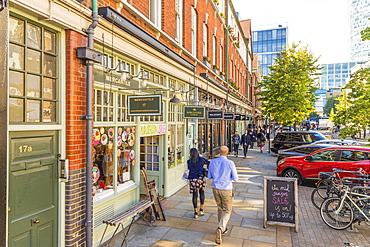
[295, 137]
[310, 150]
[350, 155]
[307, 138]
[318, 136]
[326, 155]
[281, 137]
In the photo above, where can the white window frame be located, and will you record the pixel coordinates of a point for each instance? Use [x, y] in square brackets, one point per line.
[155, 12]
[194, 32]
[214, 50]
[205, 40]
[178, 9]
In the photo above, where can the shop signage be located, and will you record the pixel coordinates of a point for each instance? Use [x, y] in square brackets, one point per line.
[113, 78]
[194, 112]
[237, 117]
[144, 105]
[229, 116]
[243, 117]
[215, 115]
[152, 129]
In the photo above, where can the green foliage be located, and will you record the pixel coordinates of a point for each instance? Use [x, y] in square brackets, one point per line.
[288, 91]
[353, 109]
[365, 34]
[313, 114]
[329, 107]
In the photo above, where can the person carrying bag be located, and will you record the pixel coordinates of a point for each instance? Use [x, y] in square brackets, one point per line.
[198, 172]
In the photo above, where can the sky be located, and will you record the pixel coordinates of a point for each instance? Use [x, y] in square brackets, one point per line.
[322, 25]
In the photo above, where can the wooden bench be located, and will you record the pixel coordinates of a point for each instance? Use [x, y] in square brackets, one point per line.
[120, 218]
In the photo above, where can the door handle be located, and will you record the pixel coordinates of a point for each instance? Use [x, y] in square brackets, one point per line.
[35, 221]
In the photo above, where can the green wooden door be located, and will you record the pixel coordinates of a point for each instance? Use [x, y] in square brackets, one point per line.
[33, 207]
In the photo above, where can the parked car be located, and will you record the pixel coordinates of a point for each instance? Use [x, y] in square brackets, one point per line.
[289, 139]
[338, 142]
[306, 167]
[301, 150]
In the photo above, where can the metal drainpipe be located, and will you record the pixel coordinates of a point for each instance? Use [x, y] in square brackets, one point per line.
[227, 63]
[89, 121]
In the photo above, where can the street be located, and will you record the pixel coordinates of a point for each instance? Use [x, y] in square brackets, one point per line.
[245, 225]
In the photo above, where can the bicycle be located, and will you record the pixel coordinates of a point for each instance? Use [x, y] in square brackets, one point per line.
[330, 184]
[354, 205]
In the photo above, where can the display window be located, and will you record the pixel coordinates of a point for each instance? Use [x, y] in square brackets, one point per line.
[175, 142]
[113, 155]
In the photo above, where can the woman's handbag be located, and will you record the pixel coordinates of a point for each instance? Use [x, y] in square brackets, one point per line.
[263, 138]
[185, 175]
[205, 169]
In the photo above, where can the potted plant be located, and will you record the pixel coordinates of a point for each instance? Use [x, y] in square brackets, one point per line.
[222, 15]
[216, 2]
[222, 74]
[237, 44]
[206, 60]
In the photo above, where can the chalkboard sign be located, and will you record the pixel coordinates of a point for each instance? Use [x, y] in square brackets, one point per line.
[281, 202]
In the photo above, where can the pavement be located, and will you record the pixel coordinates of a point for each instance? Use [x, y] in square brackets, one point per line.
[246, 223]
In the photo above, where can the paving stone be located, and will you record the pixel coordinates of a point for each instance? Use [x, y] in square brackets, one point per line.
[190, 215]
[246, 213]
[175, 212]
[191, 238]
[165, 243]
[256, 224]
[251, 243]
[254, 234]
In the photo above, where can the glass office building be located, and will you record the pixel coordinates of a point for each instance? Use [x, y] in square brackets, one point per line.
[335, 75]
[359, 20]
[266, 41]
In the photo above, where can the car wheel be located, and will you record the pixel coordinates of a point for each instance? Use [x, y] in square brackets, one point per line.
[291, 173]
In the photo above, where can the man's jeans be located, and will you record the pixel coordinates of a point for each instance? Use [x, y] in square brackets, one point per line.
[224, 201]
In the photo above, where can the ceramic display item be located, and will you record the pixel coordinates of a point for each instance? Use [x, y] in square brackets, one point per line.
[102, 130]
[132, 154]
[133, 130]
[96, 135]
[119, 141]
[119, 131]
[104, 139]
[110, 145]
[111, 133]
[96, 174]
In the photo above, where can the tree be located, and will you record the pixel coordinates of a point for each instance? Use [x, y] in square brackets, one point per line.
[353, 109]
[313, 114]
[330, 105]
[288, 91]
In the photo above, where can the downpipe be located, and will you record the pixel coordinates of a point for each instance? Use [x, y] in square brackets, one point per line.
[89, 122]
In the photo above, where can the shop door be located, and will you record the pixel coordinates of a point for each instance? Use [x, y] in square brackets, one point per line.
[33, 208]
[151, 159]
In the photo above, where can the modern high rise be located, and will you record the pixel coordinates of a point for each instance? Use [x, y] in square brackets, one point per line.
[267, 41]
[335, 75]
[359, 20]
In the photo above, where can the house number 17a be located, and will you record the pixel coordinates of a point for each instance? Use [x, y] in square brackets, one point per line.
[25, 149]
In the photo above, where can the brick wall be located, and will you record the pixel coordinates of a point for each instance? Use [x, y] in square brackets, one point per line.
[75, 141]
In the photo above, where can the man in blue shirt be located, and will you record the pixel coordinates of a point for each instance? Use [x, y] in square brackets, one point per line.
[223, 172]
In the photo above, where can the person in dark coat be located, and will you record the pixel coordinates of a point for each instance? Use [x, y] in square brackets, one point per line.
[253, 134]
[236, 142]
[197, 181]
[246, 142]
[261, 139]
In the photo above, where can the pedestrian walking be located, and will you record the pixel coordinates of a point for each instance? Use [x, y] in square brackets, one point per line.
[197, 180]
[253, 134]
[261, 139]
[223, 172]
[236, 142]
[246, 142]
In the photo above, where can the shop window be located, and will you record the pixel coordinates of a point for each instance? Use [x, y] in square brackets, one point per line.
[180, 156]
[171, 146]
[149, 153]
[113, 155]
[104, 106]
[33, 73]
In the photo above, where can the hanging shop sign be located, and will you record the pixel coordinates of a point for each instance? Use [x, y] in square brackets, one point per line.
[215, 115]
[144, 105]
[114, 78]
[197, 112]
[152, 129]
[229, 116]
[237, 117]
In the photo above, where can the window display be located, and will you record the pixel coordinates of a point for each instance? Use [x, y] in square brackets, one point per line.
[113, 155]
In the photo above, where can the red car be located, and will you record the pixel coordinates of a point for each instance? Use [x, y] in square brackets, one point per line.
[306, 167]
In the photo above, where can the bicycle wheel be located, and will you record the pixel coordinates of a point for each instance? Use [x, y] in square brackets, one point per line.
[336, 219]
[319, 194]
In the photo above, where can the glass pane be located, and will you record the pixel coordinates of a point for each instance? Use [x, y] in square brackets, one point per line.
[16, 83]
[33, 36]
[16, 57]
[33, 86]
[98, 97]
[49, 42]
[16, 30]
[33, 111]
[110, 114]
[98, 114]
[49, 88]
[16, 107]
[33, 61]
[49, 112]
[49, 65]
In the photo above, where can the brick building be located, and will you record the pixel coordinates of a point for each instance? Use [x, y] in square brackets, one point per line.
[107, 119]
